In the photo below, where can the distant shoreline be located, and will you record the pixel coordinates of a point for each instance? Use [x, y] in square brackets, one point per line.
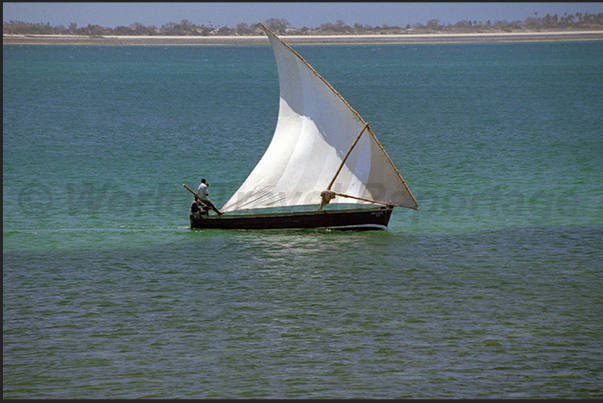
[401, 39]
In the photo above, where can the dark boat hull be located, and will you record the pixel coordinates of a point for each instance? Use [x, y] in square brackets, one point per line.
[356, 219]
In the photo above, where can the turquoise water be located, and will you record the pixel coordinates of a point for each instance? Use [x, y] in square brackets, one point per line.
[491, 289]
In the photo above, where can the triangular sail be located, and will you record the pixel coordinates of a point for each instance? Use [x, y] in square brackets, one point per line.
[315, 130]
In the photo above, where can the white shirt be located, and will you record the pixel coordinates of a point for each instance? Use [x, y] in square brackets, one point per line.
[203, 191]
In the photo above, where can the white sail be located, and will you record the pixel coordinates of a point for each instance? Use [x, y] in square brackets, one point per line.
[315, 130]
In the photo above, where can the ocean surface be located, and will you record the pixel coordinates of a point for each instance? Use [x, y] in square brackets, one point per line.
[493, 289]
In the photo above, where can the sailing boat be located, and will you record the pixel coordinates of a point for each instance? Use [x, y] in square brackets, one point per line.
[324, 167]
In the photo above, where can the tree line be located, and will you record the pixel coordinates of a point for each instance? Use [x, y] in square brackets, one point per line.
[580, 21]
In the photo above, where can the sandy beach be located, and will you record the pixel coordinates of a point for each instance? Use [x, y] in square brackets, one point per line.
[304, 40]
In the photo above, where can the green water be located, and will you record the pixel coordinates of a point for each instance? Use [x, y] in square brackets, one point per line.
[491, 289]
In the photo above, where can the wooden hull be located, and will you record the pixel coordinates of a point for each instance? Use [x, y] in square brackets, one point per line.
[354, 219]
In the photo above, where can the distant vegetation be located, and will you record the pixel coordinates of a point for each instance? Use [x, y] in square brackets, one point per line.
[578, 21]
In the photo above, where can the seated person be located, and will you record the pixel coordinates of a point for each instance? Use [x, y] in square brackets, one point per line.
[198, 209]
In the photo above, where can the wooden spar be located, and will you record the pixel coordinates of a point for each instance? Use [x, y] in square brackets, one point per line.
[192, 191]
[347, 155]
[366, 200]
[365, 127]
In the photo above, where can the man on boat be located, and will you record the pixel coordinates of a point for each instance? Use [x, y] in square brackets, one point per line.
[203, 193]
